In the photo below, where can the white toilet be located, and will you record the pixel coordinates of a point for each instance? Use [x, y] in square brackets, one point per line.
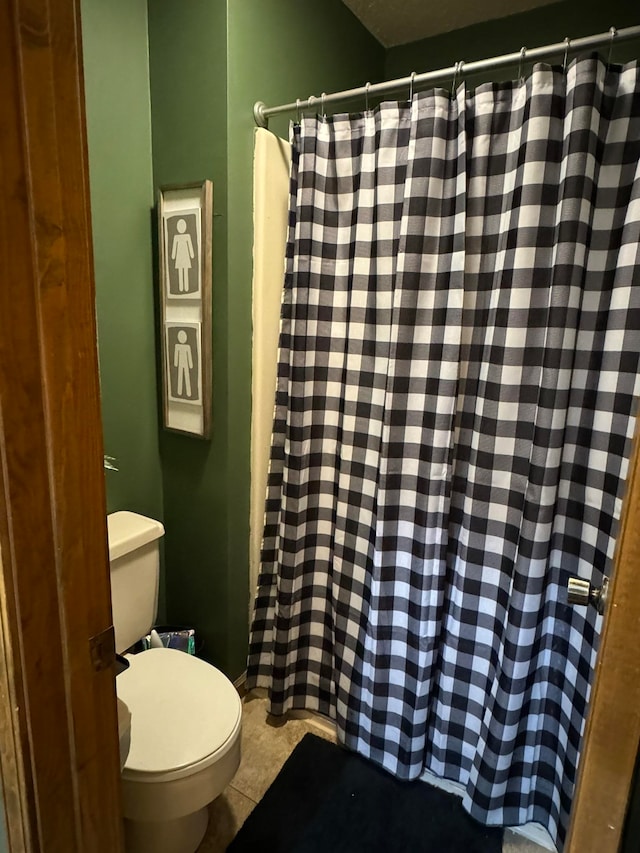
[185, 714]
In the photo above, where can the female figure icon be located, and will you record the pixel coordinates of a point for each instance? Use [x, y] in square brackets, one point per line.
[182, 254]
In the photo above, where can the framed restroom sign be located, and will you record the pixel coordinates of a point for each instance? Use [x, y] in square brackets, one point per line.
[185, 215]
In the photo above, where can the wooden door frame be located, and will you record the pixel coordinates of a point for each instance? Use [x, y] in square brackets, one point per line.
[59, 753]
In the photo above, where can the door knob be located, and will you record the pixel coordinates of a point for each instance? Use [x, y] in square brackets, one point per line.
[580, 591]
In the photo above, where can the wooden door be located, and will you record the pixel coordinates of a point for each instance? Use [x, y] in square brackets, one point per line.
[59, 752]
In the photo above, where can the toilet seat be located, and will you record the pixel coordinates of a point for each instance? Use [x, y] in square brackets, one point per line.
[186, 715]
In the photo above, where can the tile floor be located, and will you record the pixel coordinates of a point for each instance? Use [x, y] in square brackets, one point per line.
[265, 747]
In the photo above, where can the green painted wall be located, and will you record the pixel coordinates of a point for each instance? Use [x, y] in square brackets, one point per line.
[280, 50]
[209, 63]
[187, 47]
[116, 69]
[546, 25]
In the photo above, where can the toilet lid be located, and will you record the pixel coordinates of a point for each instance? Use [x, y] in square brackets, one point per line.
[182, 709]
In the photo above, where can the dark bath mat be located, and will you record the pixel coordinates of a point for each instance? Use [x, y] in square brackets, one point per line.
[328, 800]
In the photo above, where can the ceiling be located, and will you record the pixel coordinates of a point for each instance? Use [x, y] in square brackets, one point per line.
[395, 22]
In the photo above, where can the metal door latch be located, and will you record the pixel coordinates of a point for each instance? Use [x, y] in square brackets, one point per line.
[581, 592]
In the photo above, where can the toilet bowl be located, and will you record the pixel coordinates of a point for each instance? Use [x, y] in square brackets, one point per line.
[185, 715]
[185, 748]
[124, 731]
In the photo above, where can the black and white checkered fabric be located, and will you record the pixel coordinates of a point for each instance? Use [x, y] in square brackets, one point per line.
[455, 406]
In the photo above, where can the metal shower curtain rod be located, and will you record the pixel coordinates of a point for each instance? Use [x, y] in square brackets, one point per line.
[262, 113]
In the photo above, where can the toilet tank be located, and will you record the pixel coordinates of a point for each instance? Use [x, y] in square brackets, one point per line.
[134, 558]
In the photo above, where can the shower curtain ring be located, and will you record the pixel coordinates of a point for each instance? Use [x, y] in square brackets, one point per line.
[613, 33]
[298, 110]
[453, 82]
[523, 56]
[366, 97]
[567, 45]
[413, 77]
[322, 97]
[457, 71]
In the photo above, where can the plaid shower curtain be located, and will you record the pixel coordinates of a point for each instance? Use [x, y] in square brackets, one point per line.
[454, 413]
